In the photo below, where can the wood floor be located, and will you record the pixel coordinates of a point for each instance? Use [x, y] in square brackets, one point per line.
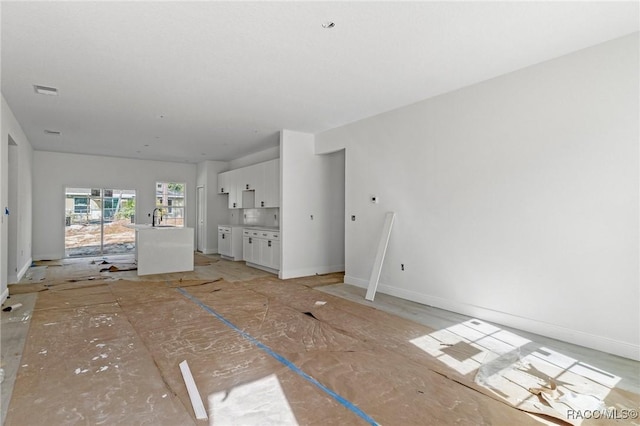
[92, 347]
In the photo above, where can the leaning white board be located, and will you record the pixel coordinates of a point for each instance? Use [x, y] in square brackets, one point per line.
[196, 400]
[382, 250]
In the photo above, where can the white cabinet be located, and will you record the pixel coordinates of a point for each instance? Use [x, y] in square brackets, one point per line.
[230, 242]
[268, 192]
[275, 254]
[261, 248]
[222, 183]
[251, 177]
[235, 197]
[250, 250]
[224, 241]
[263, 179]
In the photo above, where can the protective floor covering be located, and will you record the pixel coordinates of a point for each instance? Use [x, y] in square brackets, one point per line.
[108, 353]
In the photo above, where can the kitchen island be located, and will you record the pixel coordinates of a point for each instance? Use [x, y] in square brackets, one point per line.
[163, 249]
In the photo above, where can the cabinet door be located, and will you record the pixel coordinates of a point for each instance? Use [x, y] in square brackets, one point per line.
[275, 255]
[232, 182]
[260, 186]
[264, 257]
[247, 249]
[222, 183]
[224, 244]
[251, 177]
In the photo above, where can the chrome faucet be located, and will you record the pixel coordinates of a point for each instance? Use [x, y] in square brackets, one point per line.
[153, 216]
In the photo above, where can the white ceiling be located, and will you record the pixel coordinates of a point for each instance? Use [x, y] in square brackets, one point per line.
[189, 81]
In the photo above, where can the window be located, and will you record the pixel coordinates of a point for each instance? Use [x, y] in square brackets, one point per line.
[110, 207]
[81, 205]
[170, 199]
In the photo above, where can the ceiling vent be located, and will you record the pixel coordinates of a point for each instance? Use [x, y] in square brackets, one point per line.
[44, 90]
[52, 132]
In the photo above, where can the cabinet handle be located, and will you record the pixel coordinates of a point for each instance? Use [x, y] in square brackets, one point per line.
[234, 204]
[269, 245]
[250, 241]
[261, 203]
[221, 189]
[247, 186]
[223, 236]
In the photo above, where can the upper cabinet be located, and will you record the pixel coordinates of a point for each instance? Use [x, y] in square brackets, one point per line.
[250, 178]
[223, 188]
[268, 193]
[262, 178]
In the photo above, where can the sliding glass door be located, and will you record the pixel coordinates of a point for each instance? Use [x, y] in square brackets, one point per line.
[95, 220]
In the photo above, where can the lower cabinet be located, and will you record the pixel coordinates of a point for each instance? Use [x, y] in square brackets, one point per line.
[261, 248]
[248, 245]
[230, 242]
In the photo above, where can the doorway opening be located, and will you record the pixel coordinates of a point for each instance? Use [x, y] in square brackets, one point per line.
[96, 219]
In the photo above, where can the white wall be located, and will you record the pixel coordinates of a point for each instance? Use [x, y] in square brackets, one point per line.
[216, 206]
[53, 172]
[17, 227]
[255, 158]
[517, 199]
[310, 185]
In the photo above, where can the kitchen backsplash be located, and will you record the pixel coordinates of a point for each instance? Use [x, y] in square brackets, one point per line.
[256, 217]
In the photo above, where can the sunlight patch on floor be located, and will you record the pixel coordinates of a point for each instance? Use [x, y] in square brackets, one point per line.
[261, 402]
[466, 346]
[527, 375]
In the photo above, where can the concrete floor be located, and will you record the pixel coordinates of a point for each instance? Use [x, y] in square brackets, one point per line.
[15, 325]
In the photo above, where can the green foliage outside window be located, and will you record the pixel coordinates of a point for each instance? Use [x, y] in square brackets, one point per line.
[127, 209]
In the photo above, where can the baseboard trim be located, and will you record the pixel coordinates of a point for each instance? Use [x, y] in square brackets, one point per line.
[576, 337]
[48, 257]
[24, 269]
[307, 272]
[262, 268]
[5, 294]
[215, 251]
[358, 282]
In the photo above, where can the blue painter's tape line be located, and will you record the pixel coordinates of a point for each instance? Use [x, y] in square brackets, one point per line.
[291, 366]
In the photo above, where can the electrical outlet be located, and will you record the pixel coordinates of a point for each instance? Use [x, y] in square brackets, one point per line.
[353, 218]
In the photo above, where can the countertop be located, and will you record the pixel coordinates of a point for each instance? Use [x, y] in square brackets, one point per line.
[145, 226]
[264, 228]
